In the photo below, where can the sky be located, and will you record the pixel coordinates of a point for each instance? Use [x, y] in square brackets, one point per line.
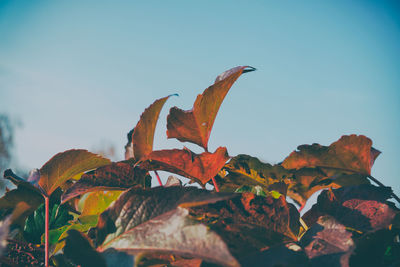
[78, 74]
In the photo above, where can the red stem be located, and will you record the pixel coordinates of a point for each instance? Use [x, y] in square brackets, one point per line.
[158, 178]
[215, 185]
[46, 231]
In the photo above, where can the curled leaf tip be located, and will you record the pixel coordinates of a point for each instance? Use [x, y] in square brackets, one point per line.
[249, 69]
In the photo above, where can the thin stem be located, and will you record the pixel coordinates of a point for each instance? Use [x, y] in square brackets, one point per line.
[215, 185]
[46, 231]
[368, 175]
[158, 178]
[380, 184]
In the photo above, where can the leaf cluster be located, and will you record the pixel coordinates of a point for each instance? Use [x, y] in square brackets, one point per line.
[105, 213]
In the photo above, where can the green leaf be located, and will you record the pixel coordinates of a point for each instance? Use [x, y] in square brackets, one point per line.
[65, 165]
[35, 224]
[96, 202]
[195, 125]
[140, 138]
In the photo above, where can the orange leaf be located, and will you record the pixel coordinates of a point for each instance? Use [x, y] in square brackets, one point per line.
[65, 165]
[195, 125]
[140, 138]
[351, 153]
[201, 167]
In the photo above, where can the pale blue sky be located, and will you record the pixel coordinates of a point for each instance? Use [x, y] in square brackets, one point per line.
[79, 73]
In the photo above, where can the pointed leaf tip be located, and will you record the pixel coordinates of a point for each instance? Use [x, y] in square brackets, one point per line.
[140, 138]
[195, 125]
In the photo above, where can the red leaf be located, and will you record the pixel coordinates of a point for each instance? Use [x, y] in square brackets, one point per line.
[201, 167]
[361, 207]
[140, 138]
[195, 125]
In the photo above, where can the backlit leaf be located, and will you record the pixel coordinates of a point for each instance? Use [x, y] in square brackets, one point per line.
[115, 176]
[195, 125]
[245, 170]
[363, 207]
[351, 152]
[201, 167]
[65, 165]
[140, 139]
[97, 202]
[174, 232]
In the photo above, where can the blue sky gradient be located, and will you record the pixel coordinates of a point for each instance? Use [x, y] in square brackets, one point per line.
[78, 74]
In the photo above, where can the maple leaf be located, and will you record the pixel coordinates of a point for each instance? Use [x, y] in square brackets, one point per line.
[65, 165]
[115, 176]
[200, 167]
[363, 207]
[195, 125]
[140, 138]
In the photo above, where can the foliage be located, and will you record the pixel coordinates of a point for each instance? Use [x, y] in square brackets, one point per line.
[104, 213]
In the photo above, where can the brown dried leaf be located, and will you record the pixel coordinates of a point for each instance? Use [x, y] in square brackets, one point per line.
[140, 138]
[201, 167]
[115, 176]
[195, 125]
[351, 152]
